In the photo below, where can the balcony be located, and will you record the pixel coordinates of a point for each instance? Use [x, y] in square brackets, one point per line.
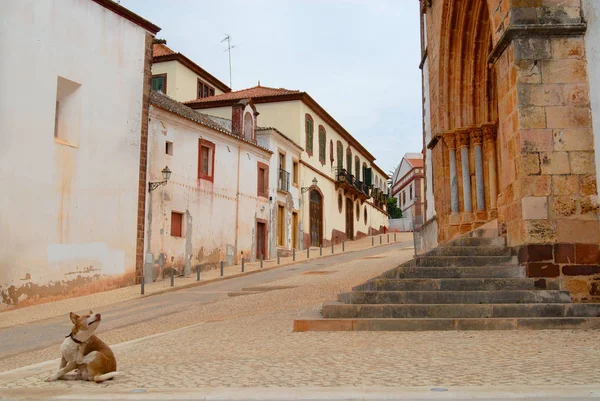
[283, 181]
[348, 182]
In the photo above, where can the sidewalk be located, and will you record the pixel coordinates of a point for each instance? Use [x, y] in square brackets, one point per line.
[52, 309]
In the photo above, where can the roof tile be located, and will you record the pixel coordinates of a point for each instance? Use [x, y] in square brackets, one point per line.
[159, 49]
[254, 92]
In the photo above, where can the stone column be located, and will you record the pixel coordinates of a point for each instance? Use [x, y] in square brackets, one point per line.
[450, 141]
[489, 137]
[463, 140]
[476, 140]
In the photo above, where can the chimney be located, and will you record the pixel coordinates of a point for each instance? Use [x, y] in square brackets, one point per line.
[237, 118]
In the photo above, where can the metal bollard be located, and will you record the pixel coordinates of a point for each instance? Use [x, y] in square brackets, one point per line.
[388, 238]
[394, 237]
[197, 273]
[308, 253]
[172, 277]
[243, 260]
[321, 250]
[380, 240]
[278, 261]
[332, 247]
[293, 254]
[261, 261]
[222, 263]
[372, 241]
[343, 245]
[143, 281]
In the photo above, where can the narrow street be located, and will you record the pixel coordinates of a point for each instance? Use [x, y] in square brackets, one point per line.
[202, 343]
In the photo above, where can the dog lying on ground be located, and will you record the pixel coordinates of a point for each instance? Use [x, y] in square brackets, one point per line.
[83, 351]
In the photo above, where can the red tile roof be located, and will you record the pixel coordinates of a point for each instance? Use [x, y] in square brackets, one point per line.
[254, 93]
[416, 162]
[159, 49]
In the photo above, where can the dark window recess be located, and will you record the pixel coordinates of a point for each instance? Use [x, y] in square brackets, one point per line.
[159, 83]
[205, 90]
[169, 148]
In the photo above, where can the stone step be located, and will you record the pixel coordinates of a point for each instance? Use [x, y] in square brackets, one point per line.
[539, 323]
[470, 251]
[451, 284]
[483, 233]
[405, 272]
[454, 297]
[477, 241]
[427, 261]
[336, 310]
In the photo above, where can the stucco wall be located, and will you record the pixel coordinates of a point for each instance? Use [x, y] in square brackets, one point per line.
[169, 68]
[591, 12]
[182, 83]
[209, 208]
[68, 215]
[429, 200]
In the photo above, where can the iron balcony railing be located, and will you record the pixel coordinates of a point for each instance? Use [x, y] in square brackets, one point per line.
[283, 183]
[342, 175]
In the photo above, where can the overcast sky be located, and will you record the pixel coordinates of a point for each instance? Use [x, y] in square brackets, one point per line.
[357, 58]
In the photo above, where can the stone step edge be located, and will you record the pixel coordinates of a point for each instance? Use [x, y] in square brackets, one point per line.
[445, 324]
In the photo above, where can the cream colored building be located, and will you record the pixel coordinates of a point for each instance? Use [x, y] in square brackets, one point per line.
[73, 150]
[347, 201]
[179, 77]
[216, 206]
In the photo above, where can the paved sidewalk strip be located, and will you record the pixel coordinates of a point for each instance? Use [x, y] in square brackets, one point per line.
[41, 311]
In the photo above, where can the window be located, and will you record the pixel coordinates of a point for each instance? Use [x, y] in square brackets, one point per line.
[159, 83]
[349, 160]
[263, 180]
[331, 158]
[340, 203]
[67, 112]
[357, 211]
[357, 167]
[204, 90]
[340, 155]
[322, 144]
[309, 134]
[248, 131]
[282, 161]
[176, 224]
[206, 160]
[365, 213]
[169, 148]
[403, 198]
[295, 172]
[410, 189]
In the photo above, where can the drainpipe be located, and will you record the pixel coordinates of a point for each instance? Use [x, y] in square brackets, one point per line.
[237, 203]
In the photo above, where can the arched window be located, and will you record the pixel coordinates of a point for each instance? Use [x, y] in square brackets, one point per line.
[357, 168]
[349, 160]
[309, 128]
[322, 144]
[248, 126]
[340, 155]
[331, 158]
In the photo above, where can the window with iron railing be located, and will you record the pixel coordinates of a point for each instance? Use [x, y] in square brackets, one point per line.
[283, 183]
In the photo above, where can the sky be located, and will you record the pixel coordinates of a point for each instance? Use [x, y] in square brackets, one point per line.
[359, 59]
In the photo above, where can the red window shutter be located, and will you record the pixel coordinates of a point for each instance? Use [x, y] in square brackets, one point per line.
[176, 224]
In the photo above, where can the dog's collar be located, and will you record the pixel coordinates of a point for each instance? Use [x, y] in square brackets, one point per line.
[74, 339]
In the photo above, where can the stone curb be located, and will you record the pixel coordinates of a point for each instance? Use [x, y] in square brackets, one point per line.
[571, 393]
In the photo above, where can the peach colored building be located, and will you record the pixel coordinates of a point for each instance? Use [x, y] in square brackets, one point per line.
[508, 128]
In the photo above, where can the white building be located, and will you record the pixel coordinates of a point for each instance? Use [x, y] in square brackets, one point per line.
[72, 108]
[407, 186]
[216, 206]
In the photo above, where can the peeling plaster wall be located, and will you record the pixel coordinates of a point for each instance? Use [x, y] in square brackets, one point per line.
[68, 214]
[209, 208]
[591, 13]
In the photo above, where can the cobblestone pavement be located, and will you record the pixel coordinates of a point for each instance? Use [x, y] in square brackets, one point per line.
[247, 341]
[37, 312]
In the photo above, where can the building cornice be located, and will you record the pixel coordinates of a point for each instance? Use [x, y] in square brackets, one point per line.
[128, 15]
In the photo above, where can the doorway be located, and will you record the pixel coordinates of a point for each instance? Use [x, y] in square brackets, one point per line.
[280, 225]
[349, 219]
[316, 218]
[295, 230]
[261, 239]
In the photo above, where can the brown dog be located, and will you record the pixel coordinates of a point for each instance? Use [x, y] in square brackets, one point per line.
[83, 351]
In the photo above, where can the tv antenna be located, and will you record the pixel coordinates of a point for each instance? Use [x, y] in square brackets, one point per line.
[229, 47]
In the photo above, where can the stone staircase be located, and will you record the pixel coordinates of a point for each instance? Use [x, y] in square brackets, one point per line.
[470, 283]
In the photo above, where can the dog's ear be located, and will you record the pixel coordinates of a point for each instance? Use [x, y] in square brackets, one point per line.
[73, 317]
[91, 313]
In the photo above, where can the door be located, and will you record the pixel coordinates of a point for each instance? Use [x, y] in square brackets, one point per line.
[316, 218]
[295, 230]
[349, 219]
[280, 225]
[261, 240]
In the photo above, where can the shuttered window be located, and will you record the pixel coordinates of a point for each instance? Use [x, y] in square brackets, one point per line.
[176, 224]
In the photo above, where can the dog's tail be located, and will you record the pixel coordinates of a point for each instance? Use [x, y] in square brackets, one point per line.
[106, 376]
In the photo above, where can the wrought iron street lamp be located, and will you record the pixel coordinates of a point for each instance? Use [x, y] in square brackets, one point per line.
[314, 184]
[166, 173]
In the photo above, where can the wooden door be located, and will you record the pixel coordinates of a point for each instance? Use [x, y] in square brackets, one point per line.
[280, 225]
[349, 219]
[316, 218]
[261, 240]
[295, 230]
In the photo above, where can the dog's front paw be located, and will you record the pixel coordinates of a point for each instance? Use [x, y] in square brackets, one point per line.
[50, 379]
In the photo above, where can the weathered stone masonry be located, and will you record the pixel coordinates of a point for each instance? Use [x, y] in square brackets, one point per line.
[512, 131]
